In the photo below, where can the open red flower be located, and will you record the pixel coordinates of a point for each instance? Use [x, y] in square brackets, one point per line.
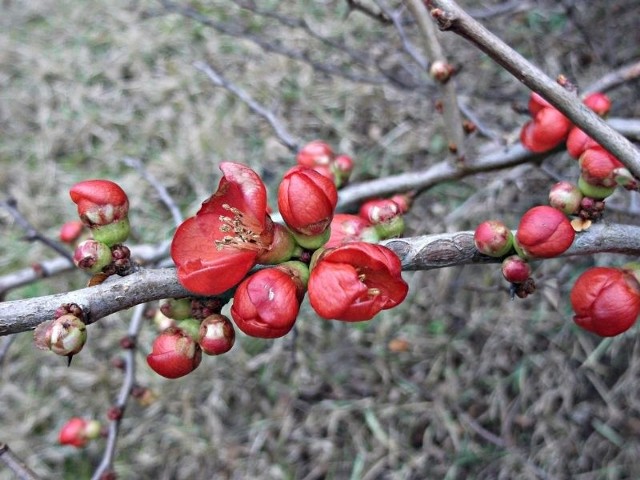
[606, 300]
[307, 201]
[267, 303]
[217, 247]
[355, 281]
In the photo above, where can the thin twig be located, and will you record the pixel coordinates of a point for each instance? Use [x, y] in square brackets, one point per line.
[283, 134]
[615, 78]
[450, 16]
[164, 195]
[16, 464]
[4, 347]
[32, 233]
[106, 463]
[435, 52]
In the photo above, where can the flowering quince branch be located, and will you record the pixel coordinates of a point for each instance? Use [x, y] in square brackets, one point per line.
[449, 16]
[425, 252]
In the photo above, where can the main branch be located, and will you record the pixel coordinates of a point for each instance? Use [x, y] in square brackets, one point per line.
[417, 253]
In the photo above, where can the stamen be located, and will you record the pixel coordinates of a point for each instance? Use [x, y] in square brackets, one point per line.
[374, 292]
[243, 236]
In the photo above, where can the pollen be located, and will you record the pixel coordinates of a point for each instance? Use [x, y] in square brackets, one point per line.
[242, 236]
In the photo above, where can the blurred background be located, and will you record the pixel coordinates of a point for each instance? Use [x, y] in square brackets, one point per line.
[458, 382]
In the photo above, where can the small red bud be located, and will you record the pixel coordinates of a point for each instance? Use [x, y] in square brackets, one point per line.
[516, 269]
[92, 256]
[65, 335]
[78, 431]
[217, 335]
[493, 238]
[315, 153]
[174, 354]
[566, 197]
[71, 231]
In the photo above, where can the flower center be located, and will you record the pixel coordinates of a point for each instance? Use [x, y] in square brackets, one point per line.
[242, 236]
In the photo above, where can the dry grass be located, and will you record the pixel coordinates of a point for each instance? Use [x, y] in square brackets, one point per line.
[487, 387]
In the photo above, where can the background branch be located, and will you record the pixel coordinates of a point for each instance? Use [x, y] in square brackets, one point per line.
[450, 16]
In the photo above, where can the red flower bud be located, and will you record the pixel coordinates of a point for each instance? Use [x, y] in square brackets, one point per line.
[307, 201]
[174, 354]
[92, 256]
[537, 103]
[379, 210]
[516, 269]
[350, 228]
[71, 231]
[597, 167]
[78, 431]
[606, 300]
[578, 142]
[544, 232]
[217, 247]
[66, 335]
[100, 202]
[403, 200]
[566, 197]
[355, 281]
[547, 130]
[493, 238]
[342, 167]
[217, 335]
[266, 304]
[599, 103]
[314, 154]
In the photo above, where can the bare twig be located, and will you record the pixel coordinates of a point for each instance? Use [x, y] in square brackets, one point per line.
[106, 463]
[32, 233]
[15, 464]
[285, 137]
[450, 16]
[417, 253]
[4, 347]
[158, 186]
[435, 52]
[142, 254]
[355, 6]
[614, 79]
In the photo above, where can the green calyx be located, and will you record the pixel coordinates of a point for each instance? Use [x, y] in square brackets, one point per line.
[112, 233]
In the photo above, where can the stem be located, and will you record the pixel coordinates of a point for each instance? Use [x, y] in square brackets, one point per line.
[450, 16]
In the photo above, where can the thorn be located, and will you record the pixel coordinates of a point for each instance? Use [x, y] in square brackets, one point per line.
[69, 357]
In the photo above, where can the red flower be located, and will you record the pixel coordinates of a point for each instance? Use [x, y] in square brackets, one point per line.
[355, 281]
[307, 200]
[544, 232]
[100, 202]
[174, 354]
[315, 154]
[266, 304]
[217, 247]
[78, 431]
[606, 300]
[350, 228]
